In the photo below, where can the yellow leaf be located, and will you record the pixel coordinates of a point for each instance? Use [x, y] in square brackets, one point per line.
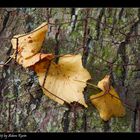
[34, 60]
[29, 44]
[61, 80]
[107, 102]
[42, 65]
[104, 84]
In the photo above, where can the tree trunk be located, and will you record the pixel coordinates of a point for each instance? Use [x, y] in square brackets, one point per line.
[25, 108]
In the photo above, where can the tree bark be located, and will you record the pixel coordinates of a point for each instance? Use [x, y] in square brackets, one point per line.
[25, 108]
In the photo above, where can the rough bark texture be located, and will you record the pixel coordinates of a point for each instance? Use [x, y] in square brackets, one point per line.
[111, 44]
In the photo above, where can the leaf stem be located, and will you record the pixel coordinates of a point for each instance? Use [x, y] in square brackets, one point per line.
[88, 84]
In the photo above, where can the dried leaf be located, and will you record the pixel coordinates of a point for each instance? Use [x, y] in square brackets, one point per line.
[34, 60]
[42, 65]
[104, 84]
[61, 80]
[29, 44]
[107, 102]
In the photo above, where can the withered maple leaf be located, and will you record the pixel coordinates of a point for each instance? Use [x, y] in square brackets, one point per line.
[107, 102]
[62, 80]
[30, 43]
